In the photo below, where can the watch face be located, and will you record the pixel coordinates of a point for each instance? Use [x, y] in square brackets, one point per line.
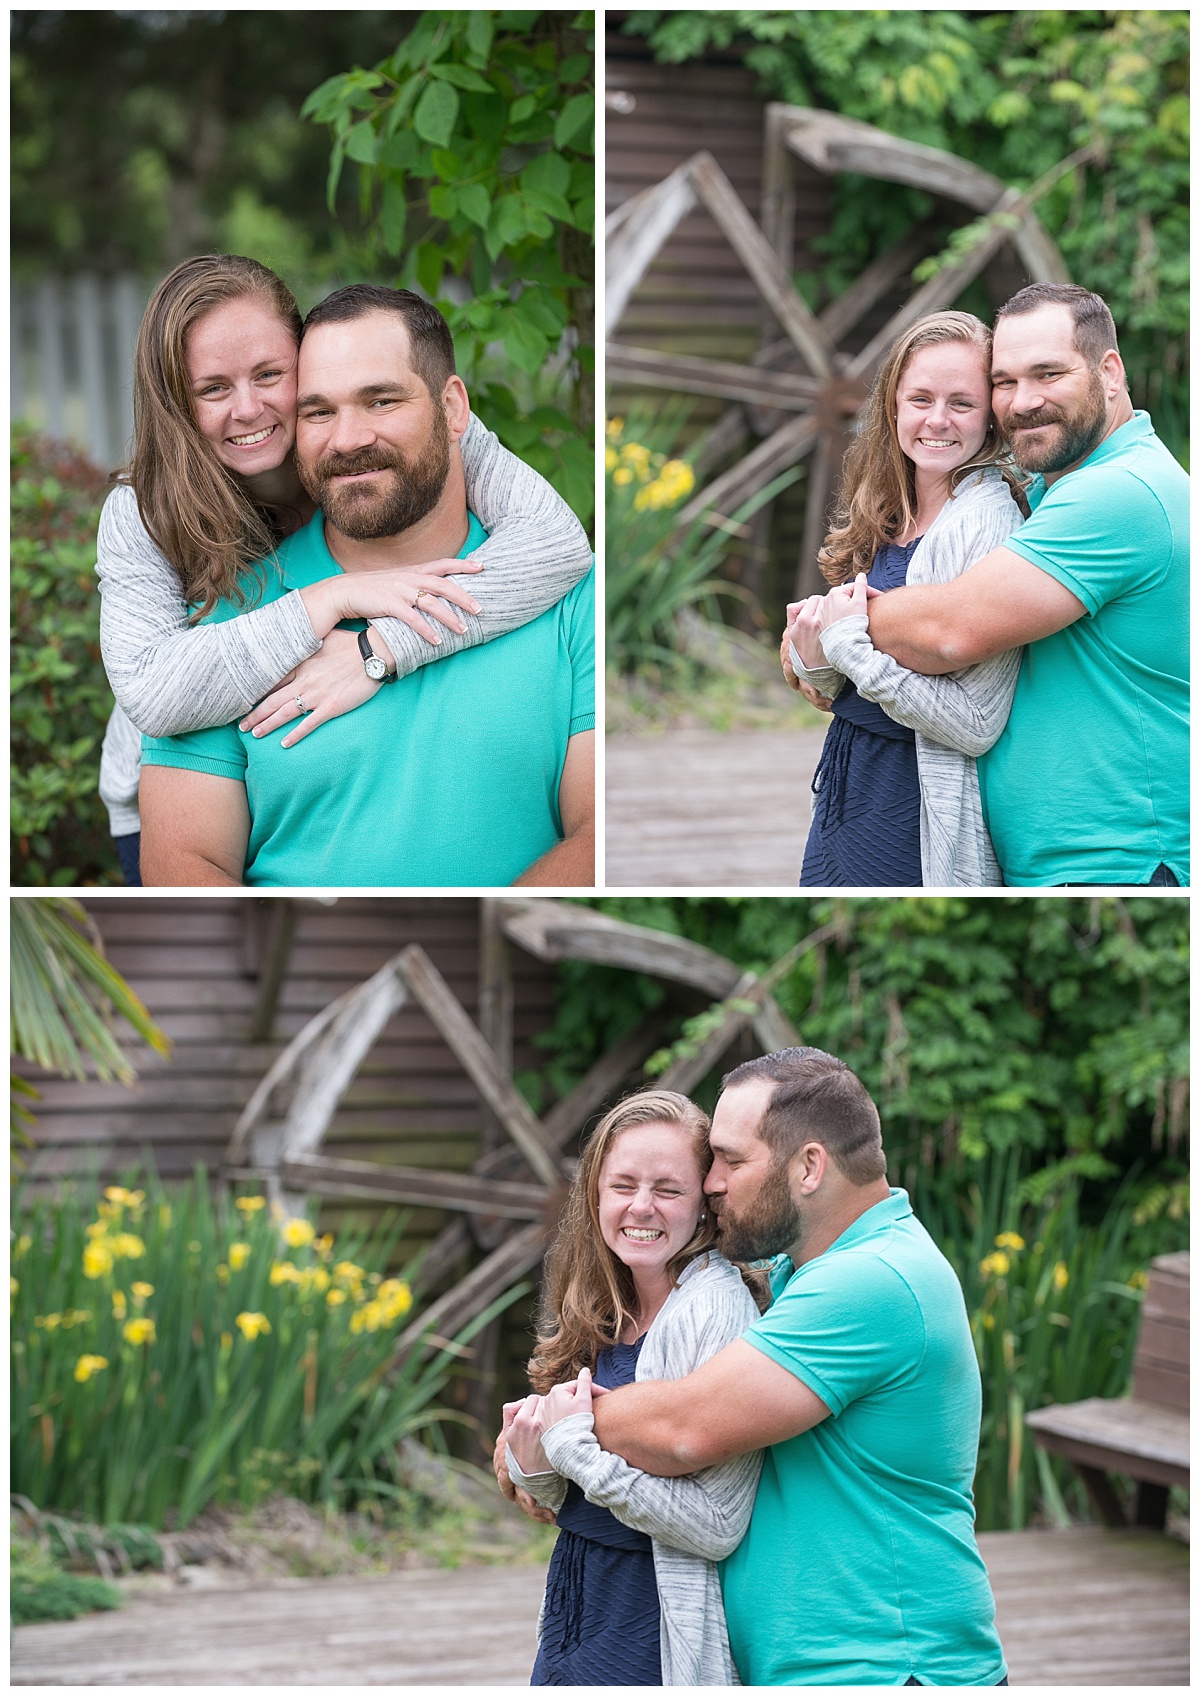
[375, 669]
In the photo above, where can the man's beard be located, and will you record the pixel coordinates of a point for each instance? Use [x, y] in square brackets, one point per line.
[409, 493]
[770, 1225]
[1079, 433]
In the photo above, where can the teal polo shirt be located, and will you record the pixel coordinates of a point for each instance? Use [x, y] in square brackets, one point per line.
[1089, 781]
[860, 1565]
[448, 777]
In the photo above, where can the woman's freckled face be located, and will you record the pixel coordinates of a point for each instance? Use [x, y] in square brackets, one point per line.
[943, 406]
[241, 364]
[650, 1197]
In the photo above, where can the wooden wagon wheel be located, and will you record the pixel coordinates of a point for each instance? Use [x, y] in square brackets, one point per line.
[510, 1202]
[803, 390]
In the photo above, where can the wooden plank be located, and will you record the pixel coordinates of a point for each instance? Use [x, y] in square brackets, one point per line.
[751, 990]
[600, 1080]
[686, 374]
[459, 1192]
[1086, 1606]
[558, 931]
[1117, 1435]
[774, 282]
[470, 1627]
[705, 809]
[519, 1254]
[642, 232]
[783, 448]
[1076, 1608]
[480, 1064]
[833, 143]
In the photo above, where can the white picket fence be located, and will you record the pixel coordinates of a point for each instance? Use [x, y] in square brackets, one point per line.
[71, 362]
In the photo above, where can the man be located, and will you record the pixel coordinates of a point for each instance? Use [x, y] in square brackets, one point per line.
[860, 1381]
[478, 770]
[1088, 784]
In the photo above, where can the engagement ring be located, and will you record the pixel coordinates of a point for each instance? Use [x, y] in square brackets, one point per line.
[300, 704]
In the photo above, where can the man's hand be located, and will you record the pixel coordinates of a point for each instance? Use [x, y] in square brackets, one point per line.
[195, 827]
[572, 862]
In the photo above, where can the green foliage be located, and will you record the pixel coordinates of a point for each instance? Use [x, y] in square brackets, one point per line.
[1053, 1305]
[63, 994]
[140, 137]
[39, 1589]
[60, 695]
[1054, 1028]
[167, 1354]
[653, 569]
[1014, 92]
[474, 143]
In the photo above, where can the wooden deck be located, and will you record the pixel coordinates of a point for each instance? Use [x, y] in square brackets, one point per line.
[1075, 1608]
[707, 809]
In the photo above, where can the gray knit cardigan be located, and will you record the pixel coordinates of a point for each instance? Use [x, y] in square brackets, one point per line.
[693, 1522]
[170, 677]
[955, 717]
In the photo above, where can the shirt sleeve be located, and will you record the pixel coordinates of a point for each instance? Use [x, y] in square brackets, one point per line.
[1101, 533]
[845, 1328]
[581, 641]
[218, 751]
[536, 552]
[168, 675]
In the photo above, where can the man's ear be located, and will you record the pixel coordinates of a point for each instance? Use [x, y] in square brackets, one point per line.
[808, 1168]
[1112, 374]
[457, 407]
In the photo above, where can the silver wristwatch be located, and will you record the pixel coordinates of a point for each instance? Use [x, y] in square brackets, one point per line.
[374, 667]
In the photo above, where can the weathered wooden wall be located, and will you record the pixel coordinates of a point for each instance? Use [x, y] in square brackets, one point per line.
[697, 297]
[198, 965]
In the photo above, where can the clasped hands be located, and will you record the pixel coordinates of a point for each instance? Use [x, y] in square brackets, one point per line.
[525, 1423]
[808, 619]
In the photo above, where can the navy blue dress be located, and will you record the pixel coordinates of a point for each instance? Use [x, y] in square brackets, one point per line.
[866, 822]
[600, 1624]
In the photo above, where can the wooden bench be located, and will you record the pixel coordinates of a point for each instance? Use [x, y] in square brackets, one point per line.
[1143, 1435]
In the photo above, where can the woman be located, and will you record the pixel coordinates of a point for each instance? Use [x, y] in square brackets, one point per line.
[925, 494]
[212, 489]
[634, 1290]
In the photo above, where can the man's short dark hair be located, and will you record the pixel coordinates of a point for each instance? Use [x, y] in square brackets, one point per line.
[817, 1099]
[1095, 332]
[428, 332]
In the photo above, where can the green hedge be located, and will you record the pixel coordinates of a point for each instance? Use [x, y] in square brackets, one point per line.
[60, 695]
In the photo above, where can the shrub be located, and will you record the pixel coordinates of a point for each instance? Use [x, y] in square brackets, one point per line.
[169, 1353]
[60, 695]
[39, 1589]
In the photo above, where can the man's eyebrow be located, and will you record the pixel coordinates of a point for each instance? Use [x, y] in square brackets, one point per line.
[370, 391]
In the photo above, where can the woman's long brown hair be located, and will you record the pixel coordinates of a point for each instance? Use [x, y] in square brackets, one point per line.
[878, 497]
[193, 507]
[589, 1294]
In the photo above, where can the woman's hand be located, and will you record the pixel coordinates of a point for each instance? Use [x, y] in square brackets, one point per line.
[394, 593]
[804, 632]
[329, 683]
[525, 1437]
[565, 1399]
[526, 1503]
[846, 600]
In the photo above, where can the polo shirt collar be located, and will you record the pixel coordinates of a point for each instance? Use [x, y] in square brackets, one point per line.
[897, 1206]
